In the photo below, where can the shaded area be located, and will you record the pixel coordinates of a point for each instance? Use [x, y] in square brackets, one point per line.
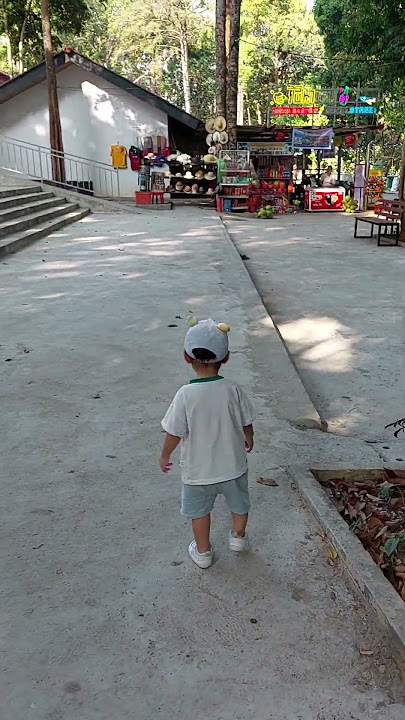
[338, 303]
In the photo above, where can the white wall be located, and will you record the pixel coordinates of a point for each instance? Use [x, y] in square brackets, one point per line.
[94, 113]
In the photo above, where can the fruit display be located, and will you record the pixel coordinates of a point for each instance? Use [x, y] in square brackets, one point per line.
[374, 187]
[266, 213]
[350, 205]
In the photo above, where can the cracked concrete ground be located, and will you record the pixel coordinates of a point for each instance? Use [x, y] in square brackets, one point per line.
[103, 615]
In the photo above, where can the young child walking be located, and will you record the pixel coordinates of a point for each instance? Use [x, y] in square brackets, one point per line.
[211, 418]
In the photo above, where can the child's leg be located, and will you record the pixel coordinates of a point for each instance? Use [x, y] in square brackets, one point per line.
[239, 523]
[201, 530]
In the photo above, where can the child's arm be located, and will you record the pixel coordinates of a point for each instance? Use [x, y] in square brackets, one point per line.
[248, 433]
[169, 446]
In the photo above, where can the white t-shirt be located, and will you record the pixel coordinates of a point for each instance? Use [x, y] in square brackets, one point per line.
[209, 416]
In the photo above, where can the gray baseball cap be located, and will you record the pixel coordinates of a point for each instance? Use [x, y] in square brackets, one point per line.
[209, 335]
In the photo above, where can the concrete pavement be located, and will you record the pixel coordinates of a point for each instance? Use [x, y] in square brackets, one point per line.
[338, 303]
[103, 614]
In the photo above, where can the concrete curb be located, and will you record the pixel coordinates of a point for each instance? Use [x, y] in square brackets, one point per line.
[288, 398]
[375, 589]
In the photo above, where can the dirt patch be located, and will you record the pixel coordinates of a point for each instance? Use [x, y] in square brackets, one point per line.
[372, 503]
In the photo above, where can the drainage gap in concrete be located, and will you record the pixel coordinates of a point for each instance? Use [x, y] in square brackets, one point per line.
[372, 502]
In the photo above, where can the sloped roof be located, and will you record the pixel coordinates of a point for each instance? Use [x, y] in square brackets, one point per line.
[68, 57]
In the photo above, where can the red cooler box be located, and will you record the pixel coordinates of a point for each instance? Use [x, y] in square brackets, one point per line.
[324, 199]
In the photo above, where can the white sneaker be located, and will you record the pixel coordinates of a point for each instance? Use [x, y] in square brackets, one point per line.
[203, 560]
[238, 543]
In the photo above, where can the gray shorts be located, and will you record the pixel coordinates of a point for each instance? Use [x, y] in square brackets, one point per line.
[198, 500]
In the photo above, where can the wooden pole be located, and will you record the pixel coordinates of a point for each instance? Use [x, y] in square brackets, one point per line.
[55, 129]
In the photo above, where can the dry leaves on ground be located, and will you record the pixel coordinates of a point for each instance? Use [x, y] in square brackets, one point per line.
[266, 481]
[375, 511]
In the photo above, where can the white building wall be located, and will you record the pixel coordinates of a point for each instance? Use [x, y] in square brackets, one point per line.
[95, 115]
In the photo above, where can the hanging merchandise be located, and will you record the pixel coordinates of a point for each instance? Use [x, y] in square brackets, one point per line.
[220, 123]
[135, 156]
[118, 155]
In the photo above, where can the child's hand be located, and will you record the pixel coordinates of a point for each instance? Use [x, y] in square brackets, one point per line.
[165, 464]
[249, 446]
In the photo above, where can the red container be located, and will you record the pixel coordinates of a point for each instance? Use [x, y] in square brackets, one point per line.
[143, 198]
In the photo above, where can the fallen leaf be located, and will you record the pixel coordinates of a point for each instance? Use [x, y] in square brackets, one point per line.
[333, 556]
[266, 481]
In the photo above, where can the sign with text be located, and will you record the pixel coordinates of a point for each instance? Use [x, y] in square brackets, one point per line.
[289, 110]
[312, 138]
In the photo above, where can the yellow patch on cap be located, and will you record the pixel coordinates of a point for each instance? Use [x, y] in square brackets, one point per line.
[191, 321]
[224, 327]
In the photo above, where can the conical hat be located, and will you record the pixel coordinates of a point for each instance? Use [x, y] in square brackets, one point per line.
[220, 123]
[210, 125]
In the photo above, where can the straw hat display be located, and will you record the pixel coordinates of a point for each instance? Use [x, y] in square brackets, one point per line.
[179, 174]
[201, 189]
[223, 137]
[212, 150]
[187, 189]
[184, 159]
[210, 159]
[215, 136]
[210, 176]
[194, 189]
[210, 191]
[189, 175]
[208, 139]
[219, 123]
[210, 125]
[199, 174]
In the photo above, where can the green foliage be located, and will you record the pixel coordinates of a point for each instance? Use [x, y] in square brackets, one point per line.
[365, 42]
[20, 21]
[280, 43]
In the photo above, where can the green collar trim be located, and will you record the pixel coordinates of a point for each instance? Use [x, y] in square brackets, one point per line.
[208, 379]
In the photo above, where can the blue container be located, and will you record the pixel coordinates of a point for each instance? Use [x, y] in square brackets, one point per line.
[227, 205]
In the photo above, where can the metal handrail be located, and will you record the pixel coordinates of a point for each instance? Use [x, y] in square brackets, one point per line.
[81, 174]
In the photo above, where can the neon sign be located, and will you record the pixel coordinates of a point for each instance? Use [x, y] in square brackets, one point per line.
[362, 110]
[289, 110]
[294, 95]
[344, 95]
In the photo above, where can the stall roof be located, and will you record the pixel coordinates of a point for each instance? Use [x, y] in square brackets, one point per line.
[263, 132]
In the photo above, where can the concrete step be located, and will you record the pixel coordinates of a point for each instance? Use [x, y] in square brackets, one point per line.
[40, 203]
[35, 218]
[10, 191]
[17, 200]
[21, 239]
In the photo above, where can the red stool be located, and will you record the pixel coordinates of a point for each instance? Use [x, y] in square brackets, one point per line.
[157, 197]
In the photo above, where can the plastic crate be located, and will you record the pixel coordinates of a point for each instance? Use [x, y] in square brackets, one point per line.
[143, 198]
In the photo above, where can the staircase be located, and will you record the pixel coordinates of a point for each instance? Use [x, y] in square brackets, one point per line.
[30, 213]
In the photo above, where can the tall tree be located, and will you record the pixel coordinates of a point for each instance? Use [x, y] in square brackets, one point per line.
[221, 62]
[21, 27]
[233, 69]
[55, 128]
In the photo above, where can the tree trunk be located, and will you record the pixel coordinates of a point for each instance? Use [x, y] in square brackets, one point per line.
[21, 39]
[221, 57]
[185, 72]
[9, 48]
[55, 129]
[233, 70]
